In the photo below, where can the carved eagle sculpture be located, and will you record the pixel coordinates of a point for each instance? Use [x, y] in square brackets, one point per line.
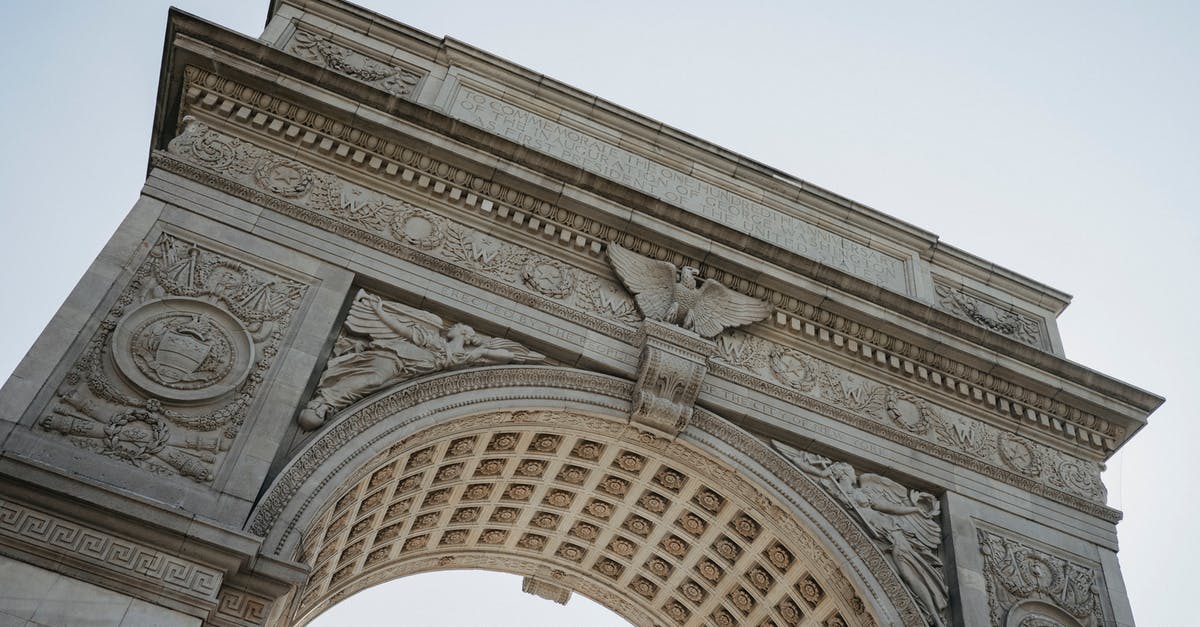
[707, 309]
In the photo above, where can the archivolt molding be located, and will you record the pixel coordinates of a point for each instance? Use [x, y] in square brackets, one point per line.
[679, 537]
[825, 388]
[395, 164]
[416, 401]
[771, 469]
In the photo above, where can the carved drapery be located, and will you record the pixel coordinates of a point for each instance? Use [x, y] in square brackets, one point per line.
[385, 342]
[903, 521]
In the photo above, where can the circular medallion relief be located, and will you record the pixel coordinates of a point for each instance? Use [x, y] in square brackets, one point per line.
[182, 349]
[284, 177]
[548, 277]
[1019, 454]
[419, 228]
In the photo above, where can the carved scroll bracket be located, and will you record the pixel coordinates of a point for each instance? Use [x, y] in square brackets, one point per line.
[546, 590]
[673, 365]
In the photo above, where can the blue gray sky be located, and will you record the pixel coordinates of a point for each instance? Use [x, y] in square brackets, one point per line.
[1059, 140]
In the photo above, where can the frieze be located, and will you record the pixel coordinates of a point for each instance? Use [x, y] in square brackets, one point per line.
[1006, 321]
[684, 190]
[239, 608]
[381, 157]
[889, 411]
[165, 382]
[424, 237]
[58, 536]
[361, 207]
[394, 79]
[1032, 587]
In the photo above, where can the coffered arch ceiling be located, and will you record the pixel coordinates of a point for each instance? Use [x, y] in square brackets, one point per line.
[537, 471]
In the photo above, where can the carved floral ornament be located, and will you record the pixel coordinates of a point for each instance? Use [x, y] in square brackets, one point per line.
[1031, 587]
[663, 537]
[877, 406]
[165, 382]
[600, 299]
[413, 233]
[397, 163]
[483, 260]
[394, 79]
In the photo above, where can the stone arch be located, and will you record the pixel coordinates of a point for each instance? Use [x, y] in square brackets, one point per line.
[537, 471]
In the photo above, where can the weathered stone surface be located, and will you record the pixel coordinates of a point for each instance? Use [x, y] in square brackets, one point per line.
[387, 307]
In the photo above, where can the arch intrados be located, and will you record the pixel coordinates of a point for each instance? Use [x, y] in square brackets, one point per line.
[597, 409]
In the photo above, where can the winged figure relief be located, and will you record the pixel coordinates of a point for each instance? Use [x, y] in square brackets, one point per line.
[669, 294]
[385, 342]
[904, 520]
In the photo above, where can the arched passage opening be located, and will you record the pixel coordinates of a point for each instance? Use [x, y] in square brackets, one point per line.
[463, 598]
[543, 475]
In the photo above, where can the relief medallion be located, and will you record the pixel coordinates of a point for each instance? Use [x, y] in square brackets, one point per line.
[182, 349]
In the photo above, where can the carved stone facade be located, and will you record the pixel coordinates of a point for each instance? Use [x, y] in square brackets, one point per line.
[165, 383]
[385, 308]
[1030, 587]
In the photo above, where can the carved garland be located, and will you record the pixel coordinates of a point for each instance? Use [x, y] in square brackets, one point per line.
[395, 80]
[379, 155]
[804, 380]
[1026, 585]
[165, 382]
[1005, 320]
[400, 229]
[426, 233]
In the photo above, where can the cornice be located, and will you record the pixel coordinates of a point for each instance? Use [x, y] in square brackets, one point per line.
[987, 382]
[411, 169]
[663, 136]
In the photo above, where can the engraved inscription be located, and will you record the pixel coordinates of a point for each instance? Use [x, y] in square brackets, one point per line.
[675, 187]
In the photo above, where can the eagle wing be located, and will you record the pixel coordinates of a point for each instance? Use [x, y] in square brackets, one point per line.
[651, 281]
[363, 318]
[718, 307]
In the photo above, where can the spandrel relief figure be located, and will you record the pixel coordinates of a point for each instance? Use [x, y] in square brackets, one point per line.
[401, 343]
[906, 521]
